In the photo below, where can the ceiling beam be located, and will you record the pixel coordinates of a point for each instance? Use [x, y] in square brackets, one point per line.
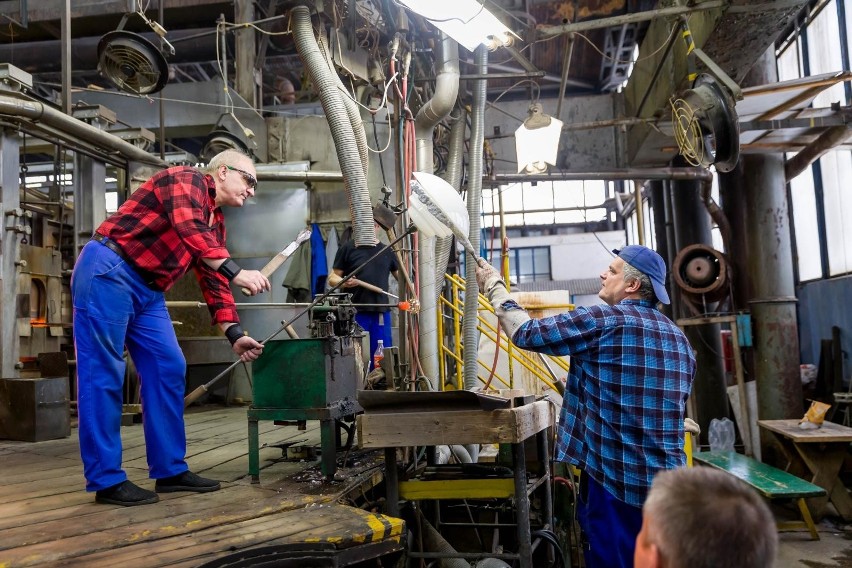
[828, 140]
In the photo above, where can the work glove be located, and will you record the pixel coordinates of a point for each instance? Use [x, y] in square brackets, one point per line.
[487, 277]
[493, 287]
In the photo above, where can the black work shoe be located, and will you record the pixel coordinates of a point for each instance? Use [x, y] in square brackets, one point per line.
[186, 481]
[126, 494]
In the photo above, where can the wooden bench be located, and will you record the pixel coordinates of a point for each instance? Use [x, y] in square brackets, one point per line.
[769, 481]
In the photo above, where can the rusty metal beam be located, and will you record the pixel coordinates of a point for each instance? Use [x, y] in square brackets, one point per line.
[50, 10]
[826, 142]
[550, 31]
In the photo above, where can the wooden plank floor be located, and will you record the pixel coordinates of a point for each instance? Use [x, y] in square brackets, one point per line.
[48, 519]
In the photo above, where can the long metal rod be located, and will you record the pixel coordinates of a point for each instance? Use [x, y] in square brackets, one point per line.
[606, 175]
[196, 394]
[550, 31]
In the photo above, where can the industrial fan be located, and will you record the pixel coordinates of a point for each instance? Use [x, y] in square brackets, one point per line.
[131, 62]
[705, 125]
[704, 117]
[704, 276]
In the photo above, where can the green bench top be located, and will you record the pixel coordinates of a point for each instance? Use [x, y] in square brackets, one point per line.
[771, 482]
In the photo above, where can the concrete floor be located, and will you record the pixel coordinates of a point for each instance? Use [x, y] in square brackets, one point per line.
[833, 550]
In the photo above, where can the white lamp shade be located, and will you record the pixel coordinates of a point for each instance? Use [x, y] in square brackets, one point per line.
[537, 146]
[443, 196]
[466, 21]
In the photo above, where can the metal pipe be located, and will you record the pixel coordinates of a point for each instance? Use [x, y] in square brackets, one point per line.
[566, 67]
[430, 114]
[606, 175]
[274, 172]
[19, 106]
[471, 298]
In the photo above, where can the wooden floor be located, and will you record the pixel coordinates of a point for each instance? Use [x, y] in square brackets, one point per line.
[48, 519]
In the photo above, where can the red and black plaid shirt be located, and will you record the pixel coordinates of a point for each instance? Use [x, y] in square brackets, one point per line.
[164, 229]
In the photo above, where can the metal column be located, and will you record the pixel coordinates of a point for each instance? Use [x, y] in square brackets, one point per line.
[770, 264]
[89, 198]
[692, 225]
[10, 249]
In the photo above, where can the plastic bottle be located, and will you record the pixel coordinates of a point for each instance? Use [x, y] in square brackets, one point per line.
[721, 435]
[379, 354]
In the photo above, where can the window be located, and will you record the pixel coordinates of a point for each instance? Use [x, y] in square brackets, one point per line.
[527, 264]
[819, 198]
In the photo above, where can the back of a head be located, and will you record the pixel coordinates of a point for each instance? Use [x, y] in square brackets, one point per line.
[706, 518]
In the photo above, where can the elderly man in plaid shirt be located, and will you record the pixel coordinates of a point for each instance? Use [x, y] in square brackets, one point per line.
[172, 223]
[622, 414]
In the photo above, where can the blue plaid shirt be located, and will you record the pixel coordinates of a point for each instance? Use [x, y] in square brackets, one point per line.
[623, 409]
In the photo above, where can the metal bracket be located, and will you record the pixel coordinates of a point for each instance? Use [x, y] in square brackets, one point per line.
[717, 71]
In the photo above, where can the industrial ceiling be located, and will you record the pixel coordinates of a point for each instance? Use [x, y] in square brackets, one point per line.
[573, 48]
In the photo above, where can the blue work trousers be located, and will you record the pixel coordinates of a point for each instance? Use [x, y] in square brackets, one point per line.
[378, 325]
[112, 308]
[609, 526]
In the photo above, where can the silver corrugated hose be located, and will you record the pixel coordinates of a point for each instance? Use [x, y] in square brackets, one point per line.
[354, 180]
[352, 110]
[474, 190]
[429, 115]
[453, 176]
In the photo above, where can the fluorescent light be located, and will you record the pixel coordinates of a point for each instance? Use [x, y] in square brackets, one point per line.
[537, 141]
[466, 21]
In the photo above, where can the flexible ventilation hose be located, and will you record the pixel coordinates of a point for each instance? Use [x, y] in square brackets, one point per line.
[354, 179]
[474, 190]
[453, 176]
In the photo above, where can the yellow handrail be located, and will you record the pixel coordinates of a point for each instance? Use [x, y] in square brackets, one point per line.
[514, 354]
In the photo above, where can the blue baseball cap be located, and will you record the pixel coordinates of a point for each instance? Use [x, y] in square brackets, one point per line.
[647, 262]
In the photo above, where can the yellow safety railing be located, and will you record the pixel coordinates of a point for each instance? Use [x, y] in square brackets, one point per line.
[536, 363]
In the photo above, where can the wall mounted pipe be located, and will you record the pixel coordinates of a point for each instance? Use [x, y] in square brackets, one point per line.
[354, 180]
[606, 175]
[271, 172]
[474, 190]
[18, 106]
[429, 115]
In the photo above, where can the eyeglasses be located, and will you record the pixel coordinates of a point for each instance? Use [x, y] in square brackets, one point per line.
[250, 179]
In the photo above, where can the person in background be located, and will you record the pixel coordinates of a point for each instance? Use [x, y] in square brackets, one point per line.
[704, 518]
[373, 308]
[623, 410]
[172, 223]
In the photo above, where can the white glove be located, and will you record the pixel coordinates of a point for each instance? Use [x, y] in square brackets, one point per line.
[487, 277]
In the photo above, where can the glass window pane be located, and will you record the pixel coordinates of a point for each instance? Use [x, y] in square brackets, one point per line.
[837, 166]
[595, 192]
[824, 52]
[539, 218]
[541, 259]
[538, 196]
[789, 63]
[525, 258]
[513, 197]
[568, 194]
[805, 224]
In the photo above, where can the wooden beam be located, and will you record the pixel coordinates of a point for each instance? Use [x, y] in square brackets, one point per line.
[827, 140]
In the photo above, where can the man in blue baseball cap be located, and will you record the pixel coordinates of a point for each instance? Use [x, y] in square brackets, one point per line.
[624, 406]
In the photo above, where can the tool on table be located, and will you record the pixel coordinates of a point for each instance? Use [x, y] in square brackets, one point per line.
[198, 392]
[282, 256]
